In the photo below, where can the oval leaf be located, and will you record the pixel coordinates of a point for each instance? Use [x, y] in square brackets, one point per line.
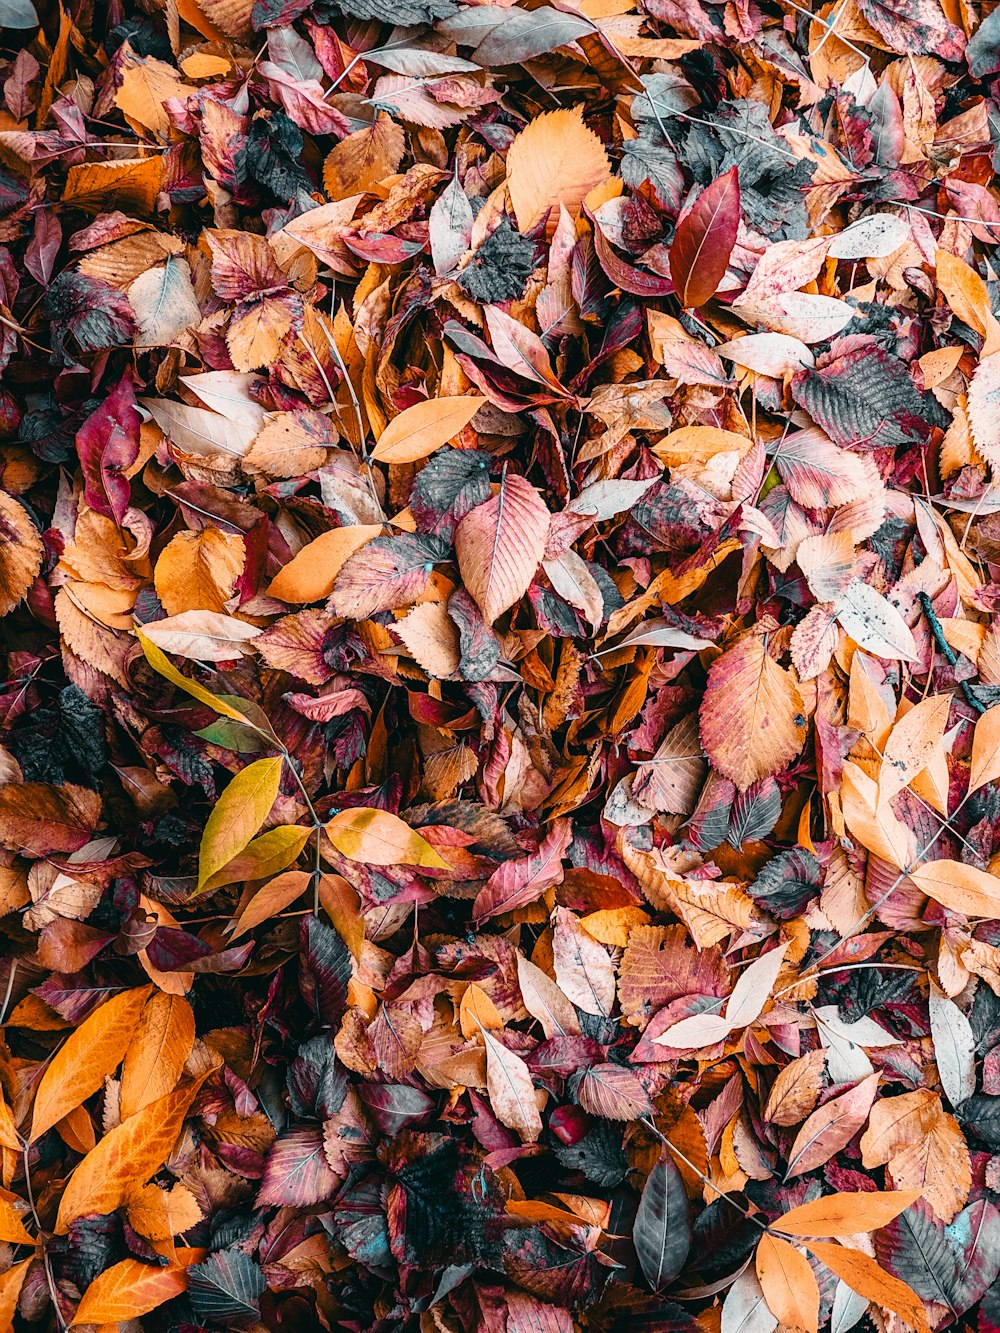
[704, 240]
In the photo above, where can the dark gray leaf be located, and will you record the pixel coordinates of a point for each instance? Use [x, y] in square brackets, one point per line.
[662, 1231]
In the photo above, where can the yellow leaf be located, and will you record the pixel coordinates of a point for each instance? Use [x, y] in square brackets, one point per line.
[425, 427]
[788, 1283]
[310, 575]
[959, 887]
[985, 765]
[555, 160]
[697, 444]
[846, 1214]
[91, 1053]
[863, 1275]
[129, 1289]
[126, 183]
[157, 1053]
[161, 1214]
[198, 570]
[266, 855]
[126, 1157]
[162, 664]
[379, 838]
[238, 814]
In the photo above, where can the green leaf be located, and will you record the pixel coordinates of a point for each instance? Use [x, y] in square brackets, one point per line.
[238, 814]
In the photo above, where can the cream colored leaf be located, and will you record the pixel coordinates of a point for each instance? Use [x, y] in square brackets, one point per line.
[512, 1094]
[205, 636]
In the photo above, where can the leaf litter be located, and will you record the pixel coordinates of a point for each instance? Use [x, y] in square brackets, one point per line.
[500, 768]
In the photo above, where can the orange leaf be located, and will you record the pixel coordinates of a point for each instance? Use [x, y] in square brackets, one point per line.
[863, 1275]
[11, 1283]
[425, 427]
[273, 898]
[959, 887]
[88, 1057]
[555, 160]
[310, 575]
[127, 1156]
[11, 1226]
[788, 1283]
[129, 1289]
[846, 1214]
[157, 1052]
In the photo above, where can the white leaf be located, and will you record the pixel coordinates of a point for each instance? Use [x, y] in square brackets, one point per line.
[954, 1047]
[228, 393]
[848, 1307]
[164, 303]
[802, 315]
[768, 353]
[873, 237]
[573, 581]
[659, 634]
[865, 1032]
[753, 990]
[691, 1034]
[745, 1309]
[874, 623]
[293, 54]
[450, 228]
[607, 499]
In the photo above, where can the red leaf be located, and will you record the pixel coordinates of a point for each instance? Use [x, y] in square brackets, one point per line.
[704, 240]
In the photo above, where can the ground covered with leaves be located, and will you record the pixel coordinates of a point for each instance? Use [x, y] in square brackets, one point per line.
[500, 729]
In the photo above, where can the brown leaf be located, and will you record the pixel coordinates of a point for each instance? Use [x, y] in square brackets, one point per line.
[831, 1127]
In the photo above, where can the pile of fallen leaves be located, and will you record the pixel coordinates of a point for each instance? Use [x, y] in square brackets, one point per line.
[500, 728]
